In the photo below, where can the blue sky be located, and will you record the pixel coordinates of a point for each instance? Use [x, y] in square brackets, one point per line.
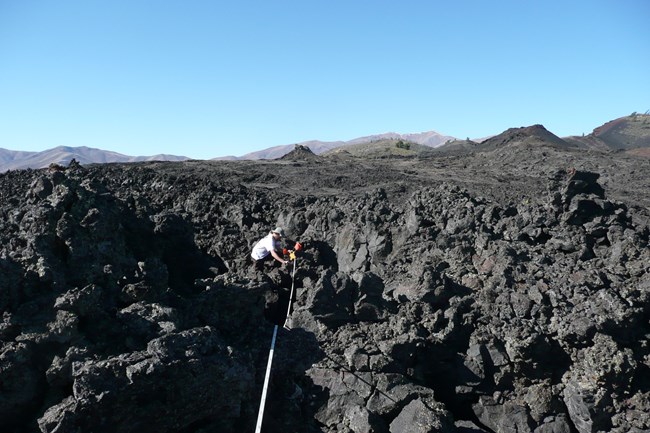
[213, 78]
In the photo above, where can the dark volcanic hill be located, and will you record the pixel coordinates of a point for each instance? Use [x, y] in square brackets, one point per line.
[300, 153]
[524, 137]
[529, 135]
[498, 291]
[624, 133]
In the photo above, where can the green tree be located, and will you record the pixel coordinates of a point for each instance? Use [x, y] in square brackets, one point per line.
[403, 145]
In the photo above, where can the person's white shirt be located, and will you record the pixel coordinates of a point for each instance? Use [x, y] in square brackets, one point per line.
[264, 247]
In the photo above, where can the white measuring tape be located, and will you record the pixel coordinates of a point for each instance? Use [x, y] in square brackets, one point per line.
[293, 279]
[260, 414]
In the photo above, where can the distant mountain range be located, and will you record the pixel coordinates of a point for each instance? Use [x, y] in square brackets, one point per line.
[16, 160]
[630, 134]
[429, 138]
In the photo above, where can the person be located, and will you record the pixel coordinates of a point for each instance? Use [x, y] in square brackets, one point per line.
[268, 248]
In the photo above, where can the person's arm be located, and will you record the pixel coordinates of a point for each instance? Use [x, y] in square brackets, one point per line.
[277, 257]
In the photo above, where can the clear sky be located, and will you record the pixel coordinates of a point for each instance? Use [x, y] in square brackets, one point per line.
[207, 78]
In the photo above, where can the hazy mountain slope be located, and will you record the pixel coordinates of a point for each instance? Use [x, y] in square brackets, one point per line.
[159, 157]
[275, 152]
[64, 154]
[429, 138]
[7, 156]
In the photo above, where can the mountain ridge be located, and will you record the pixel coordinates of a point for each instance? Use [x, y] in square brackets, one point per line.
[626, 134]
[427, 138]
[62, 155]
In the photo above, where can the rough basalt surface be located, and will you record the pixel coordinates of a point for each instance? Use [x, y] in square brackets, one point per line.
[494, 292]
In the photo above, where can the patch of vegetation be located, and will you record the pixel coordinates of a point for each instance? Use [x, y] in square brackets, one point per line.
[403, 145]
[384, 148]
